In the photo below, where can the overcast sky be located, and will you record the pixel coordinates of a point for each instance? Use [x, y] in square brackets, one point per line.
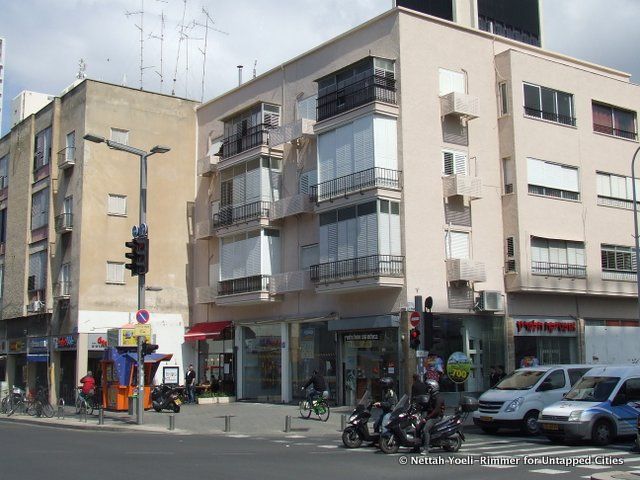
[46, 38]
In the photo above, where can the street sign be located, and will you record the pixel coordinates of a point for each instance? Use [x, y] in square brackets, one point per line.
[142, 316]
[422, 353]
[458, 367]
[142, 331]
[414, 319]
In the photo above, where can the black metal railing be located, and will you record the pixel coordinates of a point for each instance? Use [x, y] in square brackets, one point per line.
[371, 266]
[64, 221]
[553, 192]
[376, 177]
[376, 87]
[62, 289]
[551, 116]
[67, 156]
[256, 283]
[558, 269]
[243, 213]
[245, 140]
[616, 132]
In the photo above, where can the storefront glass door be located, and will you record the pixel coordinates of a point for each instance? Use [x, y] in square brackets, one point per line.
[262, 363]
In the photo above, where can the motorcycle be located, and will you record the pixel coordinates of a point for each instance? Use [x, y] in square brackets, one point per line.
[404, 428]
[165, 397]
[358, 429]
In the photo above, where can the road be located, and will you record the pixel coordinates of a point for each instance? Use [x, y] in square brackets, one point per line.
[34, 452]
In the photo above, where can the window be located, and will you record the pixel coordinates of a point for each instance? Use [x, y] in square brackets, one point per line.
[306, 108]
[3, 225]
[451, 81]
[511, 254]
[552, 179]
[307, 180]
[503, 99]
[253, 181]
[614, 121]
[120, 135]
[115, 272]
[309, 255]
[631, 390]
[556, 379]
[37, 268]
[250, 254]
[457, 244]
[548, 104]
[4, 177]
[42, 154]
[557, 258]
[70, 146]
[40, 209]
[454, 163]
[576, 374]
[1, 282]
[508, 175]
[616, 190]
[117, 205]
[618, 262]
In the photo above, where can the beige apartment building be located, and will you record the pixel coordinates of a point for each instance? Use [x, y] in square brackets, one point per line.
[67, 207]
[413, 156]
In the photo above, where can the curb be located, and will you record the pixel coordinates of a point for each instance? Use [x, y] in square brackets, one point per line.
[90, 427]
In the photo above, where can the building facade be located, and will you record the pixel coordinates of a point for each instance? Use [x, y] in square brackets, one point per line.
[27, 103]
[2, 62]
[411, 157]
[67, 208]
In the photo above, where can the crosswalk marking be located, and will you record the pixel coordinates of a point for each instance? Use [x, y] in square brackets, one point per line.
[488, 443]
[558, 452]
[327, 446]
[549, 471]
[504, 450]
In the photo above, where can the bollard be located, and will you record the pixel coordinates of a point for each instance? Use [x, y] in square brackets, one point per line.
[227, 423]
[61, 409]
[287, 423]
[172, 421]
[343, 422]
[100, 416]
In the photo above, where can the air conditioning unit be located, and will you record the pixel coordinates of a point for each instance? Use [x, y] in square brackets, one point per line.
[35, 306]
[490, 301]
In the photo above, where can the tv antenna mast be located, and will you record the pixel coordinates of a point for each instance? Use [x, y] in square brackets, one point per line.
[141, 28]
[255, 64]
[82, 70]
[175, 72]
[161, 38]
[206, 27]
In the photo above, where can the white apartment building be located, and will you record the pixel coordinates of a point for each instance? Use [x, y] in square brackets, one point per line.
[412, 156]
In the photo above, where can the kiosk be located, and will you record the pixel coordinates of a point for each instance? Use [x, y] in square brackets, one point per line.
[120, 376]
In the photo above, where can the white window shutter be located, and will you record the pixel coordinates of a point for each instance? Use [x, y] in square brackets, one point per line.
[344, 150]
[332, 255]
[372, 234]
[323, 241]
[451, 81]
[384, 234]
[326, 156]
[252, 186]
[363, 144]
[460, 163]
[352, 237]
[253, 256]
[447, 163]
[457, 244]
[386, 142]
[396, 247]
[343, 241]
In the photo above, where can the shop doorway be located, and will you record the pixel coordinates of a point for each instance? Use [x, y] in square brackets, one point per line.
[533, 351]
[474, 350]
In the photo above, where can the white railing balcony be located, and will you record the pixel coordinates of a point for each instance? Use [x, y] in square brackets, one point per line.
[206, 294]
[62, 289]
[460, 105]
[285, 207]
[290, 282]
[207, 165]
[204, 229]
[303, 127]
[465, 270]
[462, 185]
[67, 157]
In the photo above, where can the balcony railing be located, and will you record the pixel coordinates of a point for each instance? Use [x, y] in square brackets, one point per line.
[246, 140]
[371, 266]
[243, 213]
[359, 92]
[558, 270]
[64, 222]
[553, 192]
[256, 283]
[616, 132]
[67, 157]
[376, 177]
[551, 116]
[62, 289]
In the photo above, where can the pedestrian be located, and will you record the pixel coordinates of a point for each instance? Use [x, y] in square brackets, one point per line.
[501, 373]
[493, 376]
[190, 382]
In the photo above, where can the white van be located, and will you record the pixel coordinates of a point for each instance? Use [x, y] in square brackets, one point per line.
[519, 398]
[604, 404]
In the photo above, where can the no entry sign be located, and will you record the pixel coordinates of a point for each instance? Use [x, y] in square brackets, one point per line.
[414, 319]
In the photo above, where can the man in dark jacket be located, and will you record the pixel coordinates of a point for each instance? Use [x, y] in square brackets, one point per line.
[389, 400]
[434, 414]
[319, 386]
[418, 387]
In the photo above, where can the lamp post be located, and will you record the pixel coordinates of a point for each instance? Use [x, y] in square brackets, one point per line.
[143, 220]
[635, 224]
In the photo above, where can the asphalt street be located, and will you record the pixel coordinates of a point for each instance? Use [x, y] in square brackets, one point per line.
[35, 452]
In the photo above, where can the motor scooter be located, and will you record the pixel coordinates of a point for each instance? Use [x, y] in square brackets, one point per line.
[357, 430]
[165, 397]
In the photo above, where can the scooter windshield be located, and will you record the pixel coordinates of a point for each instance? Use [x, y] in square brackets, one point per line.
[400, 407]
[365, 400]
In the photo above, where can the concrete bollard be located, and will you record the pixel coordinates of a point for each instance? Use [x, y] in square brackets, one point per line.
[100, 416]
[287, 423]
[227, 423]
[343, 422]
[172, 421]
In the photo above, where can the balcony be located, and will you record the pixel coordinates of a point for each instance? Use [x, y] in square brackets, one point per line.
[207, 165]
[371, 272]
[64, 223]
[561, 270]
[460, 105]
[250, 138]
[290, 282]
[550, 116]
[462, 185]
[62, 290]
[229, 215]
[360, 91]
[67, 157]
[616, 132]
[303, 127]
[465, 270]
[256, 283]
[358, 182]
[289, 206]
[206, 294]
[204, 229]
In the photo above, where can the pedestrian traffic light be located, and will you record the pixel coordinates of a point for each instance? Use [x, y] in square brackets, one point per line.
[414, 339]
[148, 348]
[139, 255]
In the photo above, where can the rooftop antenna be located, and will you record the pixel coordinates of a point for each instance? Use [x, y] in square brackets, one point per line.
[187, 38]
[255, 64]
[82, 67]
[141, 28]
[204, 51]
[239, 75]
[175, 72]
[161, 38]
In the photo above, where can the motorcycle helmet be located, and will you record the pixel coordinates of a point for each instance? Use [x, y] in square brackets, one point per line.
[422, 401]
[432, 387]
[386, 382]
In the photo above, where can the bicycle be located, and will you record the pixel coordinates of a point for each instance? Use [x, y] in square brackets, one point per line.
[319, 406]
[17, 402]
[40, 406]
[84, 404]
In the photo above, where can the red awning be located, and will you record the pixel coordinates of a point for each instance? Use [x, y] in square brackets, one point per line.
[202, 331]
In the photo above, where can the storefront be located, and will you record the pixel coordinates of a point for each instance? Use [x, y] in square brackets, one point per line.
[65, 348]
[38, 362]
[17, 363]
[262, 362]
[312, 347]
[215, 355]
[545, 341]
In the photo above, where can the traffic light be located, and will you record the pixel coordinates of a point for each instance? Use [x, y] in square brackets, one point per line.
[148, 348]
[414, 339]
[139, 255]
[428, 330]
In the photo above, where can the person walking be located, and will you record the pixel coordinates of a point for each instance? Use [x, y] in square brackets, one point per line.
[190, 382]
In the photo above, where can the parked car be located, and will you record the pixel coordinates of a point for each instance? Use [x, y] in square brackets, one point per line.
[604, 404]
[519, 398]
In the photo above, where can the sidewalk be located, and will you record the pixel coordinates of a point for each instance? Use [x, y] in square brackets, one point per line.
[245, 418]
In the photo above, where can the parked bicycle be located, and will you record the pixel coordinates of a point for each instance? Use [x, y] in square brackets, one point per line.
[319, 406]
[86, 404]
[16, 401]
[40, 406]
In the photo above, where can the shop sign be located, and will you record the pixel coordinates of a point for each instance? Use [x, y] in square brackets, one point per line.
[97, 341]
[264, 344]
[17, 346]
[458, 367]
[170, 375]
[38, 345]
[545, 328]
[3, 347]
[362, 340]
[66, 342]
[126, 337]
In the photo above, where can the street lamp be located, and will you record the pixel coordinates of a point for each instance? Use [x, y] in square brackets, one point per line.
[635, 224]
[143, 220]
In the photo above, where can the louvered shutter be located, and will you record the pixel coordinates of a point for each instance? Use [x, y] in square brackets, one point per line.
[457, 244]
[271, 116]
[226, 258]
[239, 184]
[253, 191]
[344, 150]
[323, 243]
[447, 163]
[386, 142]
[253, 255]
[396, 247]
[363, 144]
[384, 234]
[352, 237]
[361, 244]
[460, 163]
[332, 255]
[307, 180]
[372, 234]
[326, 156]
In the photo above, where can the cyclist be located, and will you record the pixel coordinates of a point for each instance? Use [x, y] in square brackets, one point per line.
[389, 400]
[318, 389]
[88, 386]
